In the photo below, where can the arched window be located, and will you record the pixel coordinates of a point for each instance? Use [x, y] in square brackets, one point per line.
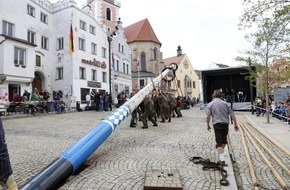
[155, 54]
[108, 14]
[143, 61]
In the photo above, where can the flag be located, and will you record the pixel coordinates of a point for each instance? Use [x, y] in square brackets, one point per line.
[71, 40]
[113, 61]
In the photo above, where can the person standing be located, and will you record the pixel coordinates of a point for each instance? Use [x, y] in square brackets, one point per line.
[102, 102]
[133, 122]
[219, 111]
[148, 112]
[6, 178]
[110, 101]
[97, 101]
[88, 99]
[165, 112]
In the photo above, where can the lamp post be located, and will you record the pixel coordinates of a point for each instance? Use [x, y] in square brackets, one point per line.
[110, 66]
[110, 39]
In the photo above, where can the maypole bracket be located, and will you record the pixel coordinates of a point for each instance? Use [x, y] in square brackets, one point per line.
[170, 77]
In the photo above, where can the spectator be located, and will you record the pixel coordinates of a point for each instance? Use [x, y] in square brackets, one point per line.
[27, 94]
[16, 98]
[88, 99]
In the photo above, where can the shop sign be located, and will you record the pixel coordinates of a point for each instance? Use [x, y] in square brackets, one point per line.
[95, 63]
[94, 84]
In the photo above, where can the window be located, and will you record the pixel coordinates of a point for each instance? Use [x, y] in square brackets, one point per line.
[122, 49]
[108, 14]
[118, 65]
[31, 10]
[127, 68]
[59, 44]
[8, 28]
[104, 77]
[193, 84]
[44, 42]
[19, 57]
[124, 67]
[82, 44]
[94, 48]
[82, 73]
[38, 61]
[83, 25]
[31, 37]
[92, 30]
[143, 61]
[94, 74]
[104, 50]
[141, 83]
[119, 47]
[155, 54]
[59, 73]
[43, 18]
[178, 83]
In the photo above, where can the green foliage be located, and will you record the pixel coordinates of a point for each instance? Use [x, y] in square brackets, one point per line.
[268, 23]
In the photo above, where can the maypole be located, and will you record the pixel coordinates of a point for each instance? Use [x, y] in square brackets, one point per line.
[68, 163]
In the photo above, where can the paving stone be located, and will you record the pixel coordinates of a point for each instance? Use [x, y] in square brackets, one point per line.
[162, 179]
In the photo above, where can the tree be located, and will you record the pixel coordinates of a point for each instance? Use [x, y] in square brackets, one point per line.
[268, 21]
[254, 10]
[268, 45]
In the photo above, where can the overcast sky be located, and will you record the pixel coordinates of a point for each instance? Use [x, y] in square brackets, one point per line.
[207, 31]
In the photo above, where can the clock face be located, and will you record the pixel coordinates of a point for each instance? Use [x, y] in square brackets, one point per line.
[185, 64]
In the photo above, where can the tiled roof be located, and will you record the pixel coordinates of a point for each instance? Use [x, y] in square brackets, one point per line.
[140, 31]
[175, 59]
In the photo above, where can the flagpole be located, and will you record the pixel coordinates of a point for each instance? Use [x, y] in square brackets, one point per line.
[71, 50]
[113, 70]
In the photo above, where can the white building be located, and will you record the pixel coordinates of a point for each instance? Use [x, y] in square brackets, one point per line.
[34, 50]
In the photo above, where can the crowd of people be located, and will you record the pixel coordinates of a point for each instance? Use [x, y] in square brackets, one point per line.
[158, 105]
[37, 101]
[279, 110]
[99, 101]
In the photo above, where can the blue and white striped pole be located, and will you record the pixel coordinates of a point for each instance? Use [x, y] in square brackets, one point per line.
[68, 163]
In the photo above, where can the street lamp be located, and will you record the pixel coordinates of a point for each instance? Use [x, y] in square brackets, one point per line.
[110, 67]
[110, 38]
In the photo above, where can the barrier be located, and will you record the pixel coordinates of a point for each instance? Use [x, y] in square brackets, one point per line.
[278, 116]
[68, 163]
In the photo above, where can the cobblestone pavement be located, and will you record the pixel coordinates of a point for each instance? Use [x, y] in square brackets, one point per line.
[123, 159]
[280, 133]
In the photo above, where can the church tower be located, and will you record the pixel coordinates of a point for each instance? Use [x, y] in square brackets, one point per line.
[106, 12]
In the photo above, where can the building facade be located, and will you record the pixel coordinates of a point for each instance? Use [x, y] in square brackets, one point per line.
[107, 14]
[35, 49]
[146, 55]
[186, 82]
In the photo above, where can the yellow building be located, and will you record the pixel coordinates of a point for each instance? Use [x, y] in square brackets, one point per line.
[187, 80]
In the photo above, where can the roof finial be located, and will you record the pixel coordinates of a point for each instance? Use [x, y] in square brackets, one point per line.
[179, 51]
